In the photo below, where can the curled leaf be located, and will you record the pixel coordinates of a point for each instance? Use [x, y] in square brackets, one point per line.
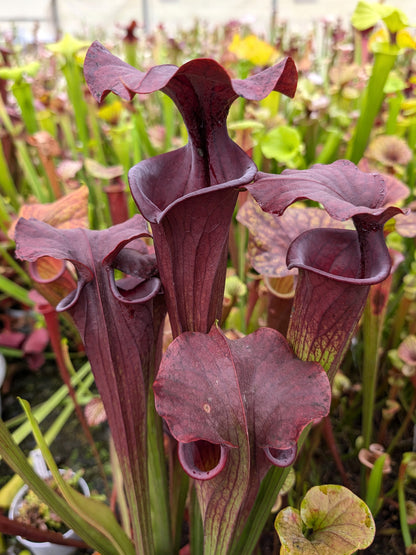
[236, 407]
[119, 322]
[188, 195]
[342, 189]
[336, 269]
[221, 383]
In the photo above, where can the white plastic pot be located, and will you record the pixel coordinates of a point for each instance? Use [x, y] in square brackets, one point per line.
[3, 367]
[46, 548]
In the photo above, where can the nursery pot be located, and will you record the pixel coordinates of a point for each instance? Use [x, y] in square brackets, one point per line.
[46, 548]
[3, 368]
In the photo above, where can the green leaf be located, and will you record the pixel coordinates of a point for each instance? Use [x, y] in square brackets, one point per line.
[386, 48]
[68, 46]
[332, 521]
[54, 400]
[395, 19]
[18, 72]
[16, 459]
[366, 15]
[374, 485]
[95, 518]
[394, 84]
[15, 291]
[384, 62]
[246, 124]
[282, 143]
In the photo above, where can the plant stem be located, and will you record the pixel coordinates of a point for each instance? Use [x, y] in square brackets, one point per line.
[118, 492]
[52, 325]
[196, 527]
[404, 425]
[11, 262]
[407, 538]
[23, 93]
[15, 291]
[168, 109]
[179, 483]
[158, 483]
[371, 339]
[374, 95]
[328, 434]
[269, 490]
[35, 183]
[394, 103]
[400, 319]
[73, 79]
[6, 180]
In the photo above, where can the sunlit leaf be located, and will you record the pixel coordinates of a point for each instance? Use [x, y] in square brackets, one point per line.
[394, 84]
[379, 36]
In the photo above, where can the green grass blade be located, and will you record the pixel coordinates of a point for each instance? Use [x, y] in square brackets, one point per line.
[374, 485]
[34, 180]
[96, 523]
[6, 181]
[373, 99]
[15, 291]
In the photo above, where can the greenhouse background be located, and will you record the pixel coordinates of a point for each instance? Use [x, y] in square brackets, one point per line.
[44, 18]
